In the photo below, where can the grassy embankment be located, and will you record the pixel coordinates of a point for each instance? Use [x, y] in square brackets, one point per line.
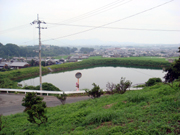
[140, 62]
[152, 111]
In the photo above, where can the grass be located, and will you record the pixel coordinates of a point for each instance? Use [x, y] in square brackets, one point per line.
[159, 59]
[59, 57]
[154, 110]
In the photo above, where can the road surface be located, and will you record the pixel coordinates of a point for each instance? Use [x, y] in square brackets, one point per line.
[11, 103]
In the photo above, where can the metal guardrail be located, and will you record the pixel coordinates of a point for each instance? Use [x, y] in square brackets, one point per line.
[52, 92]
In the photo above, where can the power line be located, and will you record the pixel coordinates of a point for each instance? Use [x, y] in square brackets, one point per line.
[96, 11]
[14, 28]
[116, 27]
[113, 21]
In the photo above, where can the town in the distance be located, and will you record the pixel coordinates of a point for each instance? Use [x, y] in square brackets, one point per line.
[15, 57]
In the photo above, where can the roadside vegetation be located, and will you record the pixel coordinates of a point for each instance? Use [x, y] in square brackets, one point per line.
[153, 110]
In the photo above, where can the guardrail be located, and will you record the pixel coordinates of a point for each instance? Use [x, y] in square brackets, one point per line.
[52, 92]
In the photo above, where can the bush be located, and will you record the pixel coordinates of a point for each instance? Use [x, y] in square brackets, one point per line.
[153, 81]
[122, 86]
[7, 83]
[1, 124]
[31, 99]
[35, 108]
[94, 92]
[62, 98]
[45, 86]
[110, 88]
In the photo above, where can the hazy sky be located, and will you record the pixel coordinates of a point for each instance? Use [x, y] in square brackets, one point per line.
[73, 15]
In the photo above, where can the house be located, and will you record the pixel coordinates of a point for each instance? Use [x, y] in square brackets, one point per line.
[72, 60]
[75, 57]
[4, 65]
[0, 60]
[62, 60]
[171, 60]
[29, 58]
[84, 57]
[18, 65]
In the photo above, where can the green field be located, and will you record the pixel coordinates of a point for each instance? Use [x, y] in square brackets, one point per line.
[59, 57]
[160, 59]
[154, 110]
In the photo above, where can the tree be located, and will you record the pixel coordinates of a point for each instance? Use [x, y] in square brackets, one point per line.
[173, 72]
[32, 63]
[43, 63]
[86, 50]
[35, 108]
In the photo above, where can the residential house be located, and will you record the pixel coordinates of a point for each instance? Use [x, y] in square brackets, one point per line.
[72, 60]
[62, 60]
[4, 65]
[18, 65]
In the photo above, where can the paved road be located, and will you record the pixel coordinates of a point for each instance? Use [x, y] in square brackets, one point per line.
[11, 103]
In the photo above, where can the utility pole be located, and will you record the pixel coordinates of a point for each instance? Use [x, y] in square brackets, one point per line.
[39, 27]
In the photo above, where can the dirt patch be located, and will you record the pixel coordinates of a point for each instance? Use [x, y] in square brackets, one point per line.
[124, 102]
[108, 106]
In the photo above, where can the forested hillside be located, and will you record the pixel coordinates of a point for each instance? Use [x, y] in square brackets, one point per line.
[13, 50]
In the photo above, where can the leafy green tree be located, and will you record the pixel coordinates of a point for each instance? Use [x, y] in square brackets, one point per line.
[95, 92]
[32, 63]
[35, 108]
[173, 72]
[86, 50]
[43, 63]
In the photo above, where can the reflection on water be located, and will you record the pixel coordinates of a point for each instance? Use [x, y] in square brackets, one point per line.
[66, 81]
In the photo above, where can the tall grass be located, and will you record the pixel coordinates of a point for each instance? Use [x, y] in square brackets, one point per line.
[153, 110]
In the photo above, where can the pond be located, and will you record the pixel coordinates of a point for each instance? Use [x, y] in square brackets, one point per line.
[66, 81]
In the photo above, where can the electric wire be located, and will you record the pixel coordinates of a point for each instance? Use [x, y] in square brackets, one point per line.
[112, 22]
[14, 28]
[116, 27]
[94, 12]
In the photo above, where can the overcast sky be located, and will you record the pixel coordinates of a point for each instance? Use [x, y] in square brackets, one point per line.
[74, 15]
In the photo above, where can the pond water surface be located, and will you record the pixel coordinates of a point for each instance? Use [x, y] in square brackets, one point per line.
[66, 81]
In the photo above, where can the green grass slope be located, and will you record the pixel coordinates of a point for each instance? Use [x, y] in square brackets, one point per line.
[152, 111]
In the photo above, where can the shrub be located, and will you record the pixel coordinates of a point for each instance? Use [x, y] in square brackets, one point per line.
[94, 92]
[153, 81]
[31, 99]
[45, 86]
[7, 83]
[110, 88]
[35, 108]
[1, 124]
[62, 98]
[122, 86]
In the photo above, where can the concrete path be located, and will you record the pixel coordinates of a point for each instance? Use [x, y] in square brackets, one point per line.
[11, 103]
